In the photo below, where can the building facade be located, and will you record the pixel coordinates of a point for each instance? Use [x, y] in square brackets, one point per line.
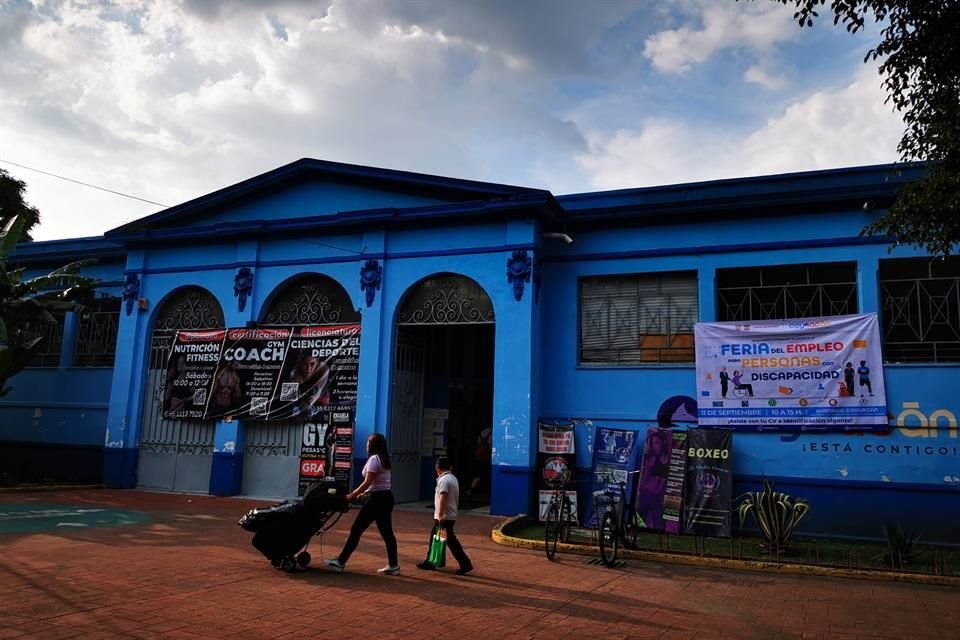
[477, 311]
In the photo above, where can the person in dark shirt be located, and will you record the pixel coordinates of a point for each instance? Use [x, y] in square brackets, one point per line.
[848, 378]
[864, 372]
[724, 382]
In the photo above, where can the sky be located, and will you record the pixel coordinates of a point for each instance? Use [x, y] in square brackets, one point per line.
[169, 100]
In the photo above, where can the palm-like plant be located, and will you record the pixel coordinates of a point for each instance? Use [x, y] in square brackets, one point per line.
[27, 304]
[776, 513]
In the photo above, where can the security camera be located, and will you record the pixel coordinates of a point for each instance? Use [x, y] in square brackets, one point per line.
[869, 205]
[559, 236]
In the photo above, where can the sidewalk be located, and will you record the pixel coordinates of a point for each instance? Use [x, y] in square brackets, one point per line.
[187, 570]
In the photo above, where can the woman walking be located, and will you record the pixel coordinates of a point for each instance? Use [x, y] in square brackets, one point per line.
[378, 507]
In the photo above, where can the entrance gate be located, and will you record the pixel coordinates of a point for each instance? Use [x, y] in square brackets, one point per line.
[175, 455]
[271, 451]
[445, 299]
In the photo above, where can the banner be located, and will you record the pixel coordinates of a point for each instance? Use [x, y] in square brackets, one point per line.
[268, 373]
[327, 441]
[807, 374]
[660, 489]
[556, 461]
[613, 459]
[190, 368]
[709, 494]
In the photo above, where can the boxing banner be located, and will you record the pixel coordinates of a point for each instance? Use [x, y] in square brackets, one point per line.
[806, 374]
[709, 494]
[556, 461]
[662, 473]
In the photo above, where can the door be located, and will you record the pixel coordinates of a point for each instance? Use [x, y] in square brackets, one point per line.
[406, 417]
[175, 455]
[271, 458]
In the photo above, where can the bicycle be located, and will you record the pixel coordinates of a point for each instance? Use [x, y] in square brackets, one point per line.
[618, 522]
[557, 526]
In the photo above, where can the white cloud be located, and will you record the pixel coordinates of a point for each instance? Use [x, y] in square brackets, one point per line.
[759, 75]
[725, 25]
[827, 129]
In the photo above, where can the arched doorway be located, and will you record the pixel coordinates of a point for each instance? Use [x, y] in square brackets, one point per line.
[271, 450]
[442, 400]
[175, 455]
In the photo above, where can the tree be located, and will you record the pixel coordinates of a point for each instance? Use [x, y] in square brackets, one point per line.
[919, 51]
[27, 304]
[12, 204]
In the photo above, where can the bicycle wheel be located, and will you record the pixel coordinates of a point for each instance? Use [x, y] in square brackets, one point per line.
[551, 530]
[609, 538]
[565, 522]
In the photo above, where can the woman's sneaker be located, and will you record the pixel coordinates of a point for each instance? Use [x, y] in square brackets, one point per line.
[335, 565]
[389, 571]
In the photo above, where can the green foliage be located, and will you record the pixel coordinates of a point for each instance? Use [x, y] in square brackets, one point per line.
[777, 514]
[900, 546]
[919, 54]
[27, 304]
[12, 205]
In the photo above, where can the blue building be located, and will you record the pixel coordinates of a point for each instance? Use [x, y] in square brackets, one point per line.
[487, 305]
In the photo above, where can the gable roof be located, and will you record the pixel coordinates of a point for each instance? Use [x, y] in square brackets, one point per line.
[453, 189]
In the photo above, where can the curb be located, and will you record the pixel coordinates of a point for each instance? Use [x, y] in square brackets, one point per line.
[499, 537]
[49, 487]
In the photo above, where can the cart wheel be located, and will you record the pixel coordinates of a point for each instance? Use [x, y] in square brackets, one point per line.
[303, 558]
[288, 564]
[275, 563]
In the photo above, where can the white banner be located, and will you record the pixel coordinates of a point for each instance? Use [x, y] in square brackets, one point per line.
[810, 372]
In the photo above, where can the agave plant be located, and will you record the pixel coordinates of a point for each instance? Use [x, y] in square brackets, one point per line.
[27, 303]
[776, 513]
[900, 544]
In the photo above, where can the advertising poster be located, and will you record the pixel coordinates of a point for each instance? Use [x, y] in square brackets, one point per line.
[613, 460]
[327, 448]
[320, 371]
[556, 461]
[663, 468]
[190, 369]
[247, 373]
[709, 494]
[805, 374]
[267, 373]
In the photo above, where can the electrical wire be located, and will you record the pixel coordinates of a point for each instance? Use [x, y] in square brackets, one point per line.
[160, 204]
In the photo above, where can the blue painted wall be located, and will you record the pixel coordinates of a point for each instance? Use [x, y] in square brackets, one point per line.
[52, 423]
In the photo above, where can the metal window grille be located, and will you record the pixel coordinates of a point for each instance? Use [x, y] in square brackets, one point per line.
[795, 291]
[920, 309]
[638, 319]
[311, 299]
[47, 351]
[97, 327]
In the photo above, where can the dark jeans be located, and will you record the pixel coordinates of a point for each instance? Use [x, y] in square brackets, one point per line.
[866, 381]
[452, 543]
[379, 509]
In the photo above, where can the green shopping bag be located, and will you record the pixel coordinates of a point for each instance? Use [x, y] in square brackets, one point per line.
[438, 547]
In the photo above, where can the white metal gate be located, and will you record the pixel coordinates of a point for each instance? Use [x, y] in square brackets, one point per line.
[406, 421]
[175, 455]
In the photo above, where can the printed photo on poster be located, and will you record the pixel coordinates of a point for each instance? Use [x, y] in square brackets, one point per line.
[556, 462]
[320, 372]
[247, 373]
[190, 370]
[613, 462]
[660, 487]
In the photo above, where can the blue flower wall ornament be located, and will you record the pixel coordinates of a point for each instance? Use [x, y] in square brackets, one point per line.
[243, 286]
[371, 275]
[131, 291]
[518, 271]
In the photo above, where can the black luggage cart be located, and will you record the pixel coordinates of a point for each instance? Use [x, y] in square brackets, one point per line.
[283, 531]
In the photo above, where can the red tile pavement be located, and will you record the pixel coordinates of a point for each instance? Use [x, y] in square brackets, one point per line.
[190, 572]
